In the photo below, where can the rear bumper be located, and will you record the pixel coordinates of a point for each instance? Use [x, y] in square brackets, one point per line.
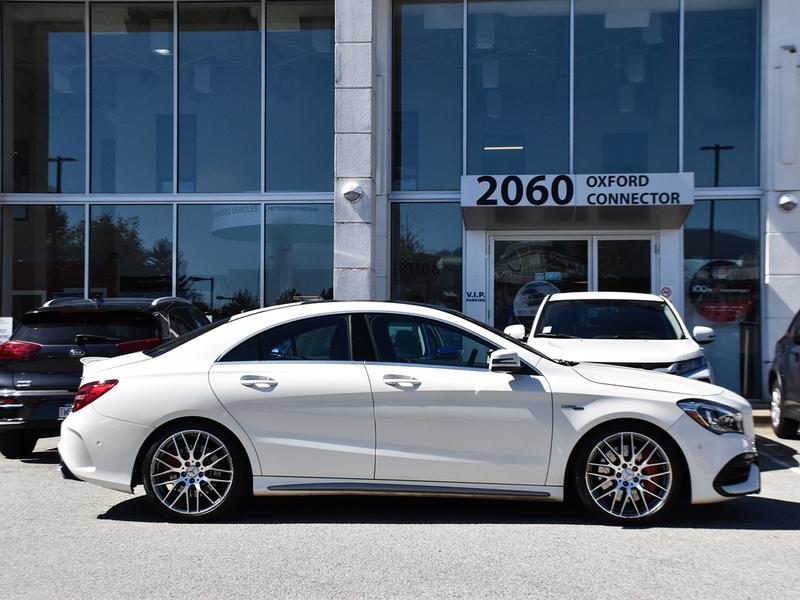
[33, 410]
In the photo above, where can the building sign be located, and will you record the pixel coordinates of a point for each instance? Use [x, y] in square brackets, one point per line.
[723, 291]
[601, 190]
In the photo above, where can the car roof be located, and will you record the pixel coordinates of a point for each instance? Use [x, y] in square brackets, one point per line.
[605, 296]
[351, 306]
[110, 304]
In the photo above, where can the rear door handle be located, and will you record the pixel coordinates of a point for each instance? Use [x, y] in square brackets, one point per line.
[258, 382]
[401, 381]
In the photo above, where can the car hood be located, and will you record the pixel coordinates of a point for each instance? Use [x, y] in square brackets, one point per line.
[618, 351]
[645, 380]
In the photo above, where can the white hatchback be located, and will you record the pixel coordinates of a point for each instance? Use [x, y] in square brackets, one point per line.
[619, 328]
[391, 398]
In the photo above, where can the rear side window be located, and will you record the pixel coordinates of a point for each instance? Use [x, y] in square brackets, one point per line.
[61, 327]
[318, 338]
[180, 341]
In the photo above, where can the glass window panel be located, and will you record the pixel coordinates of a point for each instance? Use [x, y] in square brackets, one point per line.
[626, 86]
[130, 251]
[518, 86]
[723, 287]
[42, 255]
[132, 95]
[624, 266]
[44, 85]
[426, 253]
[525, 271]
[427, 94]
[218, 256]
[299, 96]
[299, 252]
[721, 92]
[219, 144]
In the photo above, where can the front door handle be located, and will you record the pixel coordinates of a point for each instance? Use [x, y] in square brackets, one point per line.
[401, 381]
[258, 382]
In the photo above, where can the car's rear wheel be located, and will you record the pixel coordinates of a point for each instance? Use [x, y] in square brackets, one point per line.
[629, 474]
[783, 426]
[17, 444]
[194, 473]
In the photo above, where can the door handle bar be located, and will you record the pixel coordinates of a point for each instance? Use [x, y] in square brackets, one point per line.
[258, 382]
[400, 380]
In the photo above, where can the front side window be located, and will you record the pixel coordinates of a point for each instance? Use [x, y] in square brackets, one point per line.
[318, 338]
[403, 339]
[609, 320]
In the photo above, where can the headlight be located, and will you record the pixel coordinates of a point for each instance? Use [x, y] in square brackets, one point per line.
[687, 366]
[714, 417]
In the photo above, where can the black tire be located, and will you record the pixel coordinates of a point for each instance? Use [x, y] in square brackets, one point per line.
[17, 444]
[180, 481]
[640, 492]
[783, 426]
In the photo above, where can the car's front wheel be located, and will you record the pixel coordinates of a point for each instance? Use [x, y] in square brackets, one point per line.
[17, 444]
[628, 474]
[194, 473]
[781, 424]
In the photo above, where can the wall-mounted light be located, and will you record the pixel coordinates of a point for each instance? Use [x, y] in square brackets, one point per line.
[352, 192]
[503, 148]
[787, 202]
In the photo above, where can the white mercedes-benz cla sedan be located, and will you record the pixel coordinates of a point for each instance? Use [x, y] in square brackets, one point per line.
[392, 398]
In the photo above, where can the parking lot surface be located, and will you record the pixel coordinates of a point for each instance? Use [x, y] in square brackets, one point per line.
[67, 539]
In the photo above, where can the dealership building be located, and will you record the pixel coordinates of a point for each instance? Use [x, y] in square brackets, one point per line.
[476, 154]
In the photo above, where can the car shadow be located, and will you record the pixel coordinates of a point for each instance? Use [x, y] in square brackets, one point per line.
[774, 456]
[752, 513]
[45, 457]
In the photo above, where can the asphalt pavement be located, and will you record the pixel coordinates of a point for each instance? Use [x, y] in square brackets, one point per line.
[67, 539]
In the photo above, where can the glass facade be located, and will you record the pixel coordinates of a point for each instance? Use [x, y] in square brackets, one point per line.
[426, 253]
[219, 97]
[722, 282]
[44, 97]
[42, 255]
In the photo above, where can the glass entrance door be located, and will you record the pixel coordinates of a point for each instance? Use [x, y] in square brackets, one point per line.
[526, 269]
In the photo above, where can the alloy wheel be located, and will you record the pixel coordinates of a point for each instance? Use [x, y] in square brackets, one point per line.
[775, 406]
[628, 475]
[191, 472]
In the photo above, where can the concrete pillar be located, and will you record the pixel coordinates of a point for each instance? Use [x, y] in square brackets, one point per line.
[354, 152]
[780, 143]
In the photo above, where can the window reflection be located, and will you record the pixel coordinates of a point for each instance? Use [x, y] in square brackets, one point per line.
[130, 251]
[42, 255]
[721, 93]
[299, 252]
[426, 253]
[722, 286]
[626, 86]
[518, 86]
[44, 80]
[218, 256]
[220, 97]
[428, 83]
[299, 95]
[132, 95]
[624, 266]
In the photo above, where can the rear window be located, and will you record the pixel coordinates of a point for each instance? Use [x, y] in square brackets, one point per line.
[180, 341]
[62, 327]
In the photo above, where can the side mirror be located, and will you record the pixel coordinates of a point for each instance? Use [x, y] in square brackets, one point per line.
[504, 361]
[515, 331]
[703, 335]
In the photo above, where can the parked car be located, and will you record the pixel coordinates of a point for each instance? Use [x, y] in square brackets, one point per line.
[40, 365]
[784, 383]
[641, 331]
[393, 398]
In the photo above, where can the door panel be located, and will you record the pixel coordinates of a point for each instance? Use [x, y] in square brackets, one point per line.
[305, 418]
[436, 423]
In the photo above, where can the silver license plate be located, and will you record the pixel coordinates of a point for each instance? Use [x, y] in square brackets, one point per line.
[63, 411]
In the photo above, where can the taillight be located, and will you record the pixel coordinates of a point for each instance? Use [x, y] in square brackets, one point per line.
[138, 345]
[89, 392]
[18, 350]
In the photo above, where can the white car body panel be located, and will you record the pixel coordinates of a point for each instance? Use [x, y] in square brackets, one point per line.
[461, 425]
[470, 431]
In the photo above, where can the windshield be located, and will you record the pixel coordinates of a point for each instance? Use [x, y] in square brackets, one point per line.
[608, 320]
[181, 340]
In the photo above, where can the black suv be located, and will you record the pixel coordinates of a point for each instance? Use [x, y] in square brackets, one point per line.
[784, 383]
[40, 365]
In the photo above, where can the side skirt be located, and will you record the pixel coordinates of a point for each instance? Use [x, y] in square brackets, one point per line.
[267, 486]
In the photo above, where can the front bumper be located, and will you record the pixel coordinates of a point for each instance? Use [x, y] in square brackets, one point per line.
[712, 460]
[101, 450]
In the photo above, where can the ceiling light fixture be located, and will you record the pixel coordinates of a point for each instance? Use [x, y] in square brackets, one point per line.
[504, 147]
